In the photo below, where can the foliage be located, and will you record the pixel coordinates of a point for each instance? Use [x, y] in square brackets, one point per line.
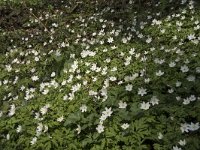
[71, 79]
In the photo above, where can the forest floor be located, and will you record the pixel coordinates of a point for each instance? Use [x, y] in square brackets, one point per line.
[81, 75]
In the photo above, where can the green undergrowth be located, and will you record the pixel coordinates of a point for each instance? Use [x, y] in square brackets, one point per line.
[79, 77]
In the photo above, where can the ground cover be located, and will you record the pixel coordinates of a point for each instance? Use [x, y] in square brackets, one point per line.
[80, 77]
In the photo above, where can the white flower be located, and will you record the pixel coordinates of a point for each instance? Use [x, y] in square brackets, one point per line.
[183, 1]
[132, 51]
[178, 84]
[93, 67]
[122, 104]
[33, 141]
[149, 40]
[172, 64]
[120, 82]
[44, 109]
[83, 108]
[1, 113]
[127, 61]
[156, 22]
[19, 128]
[154, 100]
[129, 87]
[73, 56]
[159, 73]
[140, 35]
[182, 142]
[58, 53]
[78, 129]
[39, 129]
[105, 50]
[65, 97]
[184, 68]
[107, 112]
[147, 80]
[160, 135]
[145, 106]
[45, 92]
[124, 40]
[55, 25]
[37, 116]
[53, 74]
[113, 78]
[178, 23]
[85, 82]
[198, 69]
[45, 128]
[34, 78]
[178, 98]
[100, 128]
[104, 92]
[86, 53]
[193, 126]
[186, 101]
[63, 44]
[114, 69]
[71, 96]
[60, 119]
[162, 30]
[184, 127]
[103, 117]
[74, 66]
[110, 40]
[191, 36]
[176, 148]
[142, 91]
[170, 90]
[12, 110]
[76, 87]
[125, 126]
[132, 77]
[92, 93]
[8, 68]
[192, 98]
[191, 78]
[8, 136]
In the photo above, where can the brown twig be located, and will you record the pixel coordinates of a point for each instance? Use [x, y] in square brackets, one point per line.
[40, 22]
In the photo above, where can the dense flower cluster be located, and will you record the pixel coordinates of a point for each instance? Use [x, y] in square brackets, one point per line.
[116, 86]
